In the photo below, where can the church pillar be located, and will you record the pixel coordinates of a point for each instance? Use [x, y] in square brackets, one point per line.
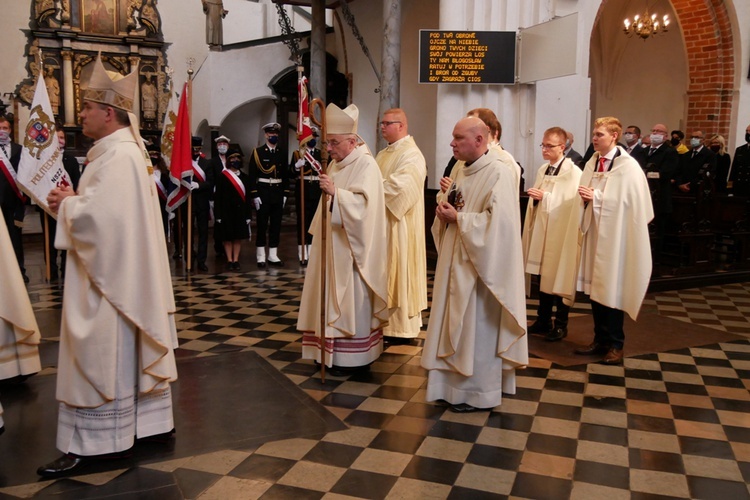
[68, 95]
[134, 63]
[390, 66]
[318, 50]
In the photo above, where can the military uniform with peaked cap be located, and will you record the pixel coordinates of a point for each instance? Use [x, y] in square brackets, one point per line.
[355, 253]
[117, 333]
[300, 166]
[268, 190]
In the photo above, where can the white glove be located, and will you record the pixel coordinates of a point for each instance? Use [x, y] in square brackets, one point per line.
[283, 203]
[218, 221]
[193, 186]
[300, 163]
[257, 203]
[247, 221]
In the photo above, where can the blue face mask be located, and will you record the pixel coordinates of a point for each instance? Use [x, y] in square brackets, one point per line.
[273, 139]
[311, 143]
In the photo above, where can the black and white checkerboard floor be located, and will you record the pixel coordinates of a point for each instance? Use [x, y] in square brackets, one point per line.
[667, 425]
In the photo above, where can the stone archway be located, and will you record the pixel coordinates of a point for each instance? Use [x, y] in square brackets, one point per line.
[708, 87]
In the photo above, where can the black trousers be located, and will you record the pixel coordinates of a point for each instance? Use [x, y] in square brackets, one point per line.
[200, 226]
[608, 325]
[269, 221]
[544, 311]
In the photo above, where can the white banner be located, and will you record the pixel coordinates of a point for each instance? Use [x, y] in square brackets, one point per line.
[41, 167]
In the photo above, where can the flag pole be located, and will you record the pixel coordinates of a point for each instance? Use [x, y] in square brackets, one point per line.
[46, 246]
[301, 200]
[323, 233]
[189, 244]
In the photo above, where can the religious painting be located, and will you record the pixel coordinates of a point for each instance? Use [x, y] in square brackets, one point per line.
[99, 16]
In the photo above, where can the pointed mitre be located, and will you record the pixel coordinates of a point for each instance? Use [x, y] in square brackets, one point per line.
[110, 88]
[342, 121]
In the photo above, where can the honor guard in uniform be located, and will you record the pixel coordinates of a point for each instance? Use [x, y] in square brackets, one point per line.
[202, 192]
[302, 165]
[269, 191]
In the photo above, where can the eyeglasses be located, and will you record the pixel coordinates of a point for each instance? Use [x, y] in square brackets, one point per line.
[550, 146]
[334, 143]
[385, 124]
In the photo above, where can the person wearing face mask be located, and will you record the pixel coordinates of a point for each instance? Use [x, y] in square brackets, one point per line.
[677, 136]
[718, 145]
[739, 174]
[268, 192]
[232, 208]
[12, 200]
[571, 153]
[661, 163]
[696, 166]
[632, 138]
[301, 166]
[202, 189]
[74, 173]
[218, 164]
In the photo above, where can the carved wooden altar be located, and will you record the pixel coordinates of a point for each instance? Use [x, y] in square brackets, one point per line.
[70, 33]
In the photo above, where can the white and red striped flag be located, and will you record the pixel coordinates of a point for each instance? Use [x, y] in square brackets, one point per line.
[176, 146]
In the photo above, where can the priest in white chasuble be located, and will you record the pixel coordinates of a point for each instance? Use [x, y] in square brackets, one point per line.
[355, 253]
[476, 336]
[615, 255]
[404, 172]
[117, 333]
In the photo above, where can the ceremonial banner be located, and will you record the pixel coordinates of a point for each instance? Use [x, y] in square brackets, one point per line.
[177, 151]
[304, 130]
[41, 168]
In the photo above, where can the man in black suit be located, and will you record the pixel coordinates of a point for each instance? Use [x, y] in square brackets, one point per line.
[12, 200]
[739, 174]
[696, 165]
[571, 153]
[632, 138]
[661, 163]
[202, 190]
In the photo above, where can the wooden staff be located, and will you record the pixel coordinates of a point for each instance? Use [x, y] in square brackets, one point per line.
[301, 201]
[324, 223]
[46, 247]
[189, 237]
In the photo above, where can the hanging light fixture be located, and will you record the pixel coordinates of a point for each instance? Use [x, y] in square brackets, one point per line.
[646, 26]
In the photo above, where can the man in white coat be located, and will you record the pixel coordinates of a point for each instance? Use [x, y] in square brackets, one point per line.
[404, 172]
[476, 337]
[117, 332]
[355, 254]
[615, 254]
[550, 241]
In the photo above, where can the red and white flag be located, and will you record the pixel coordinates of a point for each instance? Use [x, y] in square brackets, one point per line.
[41, 167]
[304, 130]
[179, 151]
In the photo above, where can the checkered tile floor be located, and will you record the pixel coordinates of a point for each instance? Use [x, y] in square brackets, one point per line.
[667, 425]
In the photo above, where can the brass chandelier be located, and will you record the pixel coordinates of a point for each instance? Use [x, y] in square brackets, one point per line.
[646, 26]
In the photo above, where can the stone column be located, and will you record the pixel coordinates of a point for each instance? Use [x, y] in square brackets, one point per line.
[134, 64]
[69, 105]
[390, 65]
[318, 50]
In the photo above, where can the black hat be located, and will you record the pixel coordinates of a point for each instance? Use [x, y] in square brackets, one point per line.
[197, 141]
[234, 153]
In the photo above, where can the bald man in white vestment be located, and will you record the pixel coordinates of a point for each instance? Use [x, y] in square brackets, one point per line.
[476, 336]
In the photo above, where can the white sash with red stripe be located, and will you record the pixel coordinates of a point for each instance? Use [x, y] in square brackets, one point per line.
[315, 164]
[236, 182]
[9, 173]
[198, 171]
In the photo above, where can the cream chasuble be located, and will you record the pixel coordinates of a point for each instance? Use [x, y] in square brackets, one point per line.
[356, 253]
[19, 333]
[117, 267]
[476, 335]
[404, 172]
[550, 240]
[615, 251]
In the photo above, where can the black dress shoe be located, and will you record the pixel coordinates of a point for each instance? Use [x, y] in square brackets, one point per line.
[276, 263]
[557, 333]
[202, 267]
[261, 264]
[540, 328]
[63, 466]
[25, 278]
[396, 340]
[303, 263]
[464, 408]
[592, 348]
[236, 266]
[163, 438]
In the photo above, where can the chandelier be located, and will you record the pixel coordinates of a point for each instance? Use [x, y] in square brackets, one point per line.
[646, 26]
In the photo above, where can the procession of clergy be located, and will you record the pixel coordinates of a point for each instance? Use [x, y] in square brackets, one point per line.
[116, 362]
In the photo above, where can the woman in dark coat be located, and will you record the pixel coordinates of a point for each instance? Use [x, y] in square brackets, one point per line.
[232, 208]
